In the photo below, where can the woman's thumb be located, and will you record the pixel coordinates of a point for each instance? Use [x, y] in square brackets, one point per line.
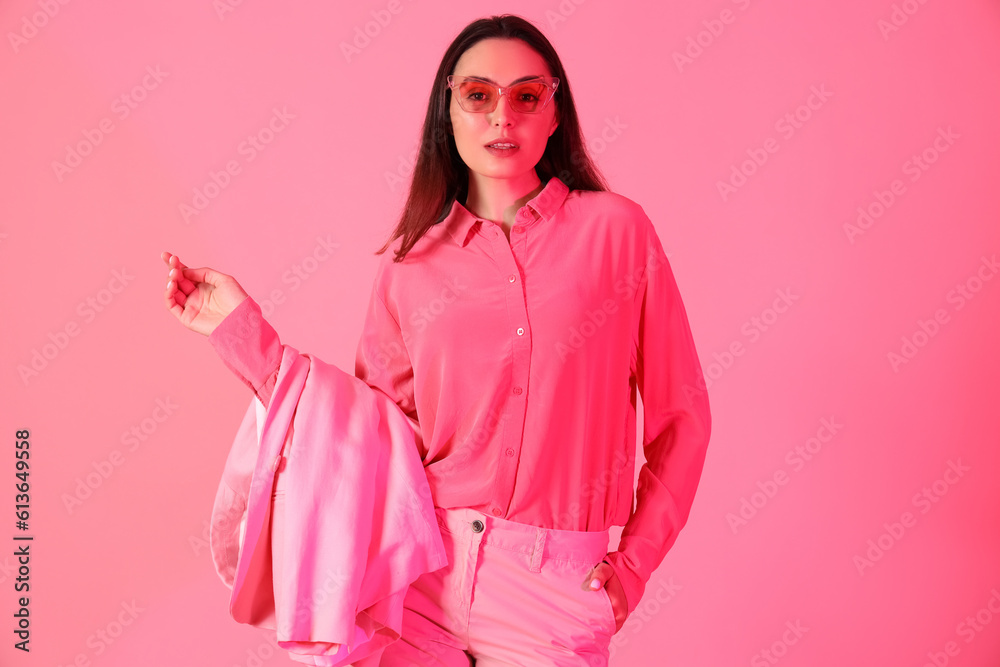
[202, 274]
[594, 579]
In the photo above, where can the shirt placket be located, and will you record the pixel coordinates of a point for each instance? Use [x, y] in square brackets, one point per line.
[509, 257]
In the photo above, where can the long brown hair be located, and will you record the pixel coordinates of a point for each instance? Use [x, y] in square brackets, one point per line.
[440, 176]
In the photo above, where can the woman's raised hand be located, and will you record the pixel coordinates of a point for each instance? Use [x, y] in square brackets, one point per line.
[200, 298]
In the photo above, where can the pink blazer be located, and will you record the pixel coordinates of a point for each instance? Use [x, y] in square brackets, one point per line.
[324, 515]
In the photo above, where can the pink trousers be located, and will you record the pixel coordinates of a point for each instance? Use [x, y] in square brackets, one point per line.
[511, 594]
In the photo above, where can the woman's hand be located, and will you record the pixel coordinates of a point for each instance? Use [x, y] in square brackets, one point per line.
[605, 575]
[200, 298]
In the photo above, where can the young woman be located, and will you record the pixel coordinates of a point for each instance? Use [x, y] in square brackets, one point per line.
[521, 309]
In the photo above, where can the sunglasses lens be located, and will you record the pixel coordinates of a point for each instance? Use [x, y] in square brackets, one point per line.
[528, 97]
[476, 96]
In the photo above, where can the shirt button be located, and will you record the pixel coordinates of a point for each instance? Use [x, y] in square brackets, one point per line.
[275, 463]
[510, 452]
[511, 278]
[518, 229]
[520, 331]
[496, 511]
[477, 526]
[517, 390]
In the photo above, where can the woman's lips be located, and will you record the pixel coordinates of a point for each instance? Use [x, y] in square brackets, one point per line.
[501, 152]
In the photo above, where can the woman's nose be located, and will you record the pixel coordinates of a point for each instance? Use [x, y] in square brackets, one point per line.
[503, 112]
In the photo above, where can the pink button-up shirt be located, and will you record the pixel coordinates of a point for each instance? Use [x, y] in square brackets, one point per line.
[517, 362]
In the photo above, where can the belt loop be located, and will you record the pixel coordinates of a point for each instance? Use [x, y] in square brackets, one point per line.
[536, 554]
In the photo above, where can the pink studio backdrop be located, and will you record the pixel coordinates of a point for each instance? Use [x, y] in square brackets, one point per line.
[823, 176]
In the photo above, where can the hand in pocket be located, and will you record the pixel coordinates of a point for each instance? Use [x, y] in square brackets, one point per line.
[605, 575]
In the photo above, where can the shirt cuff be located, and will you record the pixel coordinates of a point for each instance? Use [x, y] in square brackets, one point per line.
[634, 583]
[249, 347]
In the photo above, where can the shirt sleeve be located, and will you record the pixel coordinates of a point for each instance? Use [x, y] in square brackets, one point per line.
[250, 348]
[676, 424]
[383, 360]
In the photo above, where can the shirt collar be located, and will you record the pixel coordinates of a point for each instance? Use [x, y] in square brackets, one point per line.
[460, 221]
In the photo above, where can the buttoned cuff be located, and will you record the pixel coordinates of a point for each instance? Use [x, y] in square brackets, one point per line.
[633, 583]
[249, 347]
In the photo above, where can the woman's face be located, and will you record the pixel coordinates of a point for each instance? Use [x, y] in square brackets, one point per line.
[502, 61]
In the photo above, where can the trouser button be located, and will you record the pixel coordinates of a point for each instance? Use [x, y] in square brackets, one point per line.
[477, 526]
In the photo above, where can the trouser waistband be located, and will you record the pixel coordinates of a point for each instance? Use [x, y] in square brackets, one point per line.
[539, 543]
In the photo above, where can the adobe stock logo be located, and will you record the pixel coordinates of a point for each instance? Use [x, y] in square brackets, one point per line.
[381, 18]
[298, 273]
[122, 107]
[105, 636]
[103, 468]
[30, 25]
[779, 648]
[968, 628]
[59, 340]
[565, 9]
[960, 295]
[899, 16]
[625, 288]
[753, 329]
[915, 166]
[653, 601]
[424, 315]
[249, 148]
[797, 457]
[713, 30]
[787, 126]
[923, 500]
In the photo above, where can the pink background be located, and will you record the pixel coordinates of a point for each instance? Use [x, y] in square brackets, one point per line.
[666, 132]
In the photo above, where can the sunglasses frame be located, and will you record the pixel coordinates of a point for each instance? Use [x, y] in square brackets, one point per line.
[550, 82]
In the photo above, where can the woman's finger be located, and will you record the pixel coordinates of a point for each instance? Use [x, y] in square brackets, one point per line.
[175, 274]
[175, 299]
[172, 260]
[180, 297]
[184, 284]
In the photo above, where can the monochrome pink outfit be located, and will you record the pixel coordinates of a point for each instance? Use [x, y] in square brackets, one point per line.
[517, 362]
